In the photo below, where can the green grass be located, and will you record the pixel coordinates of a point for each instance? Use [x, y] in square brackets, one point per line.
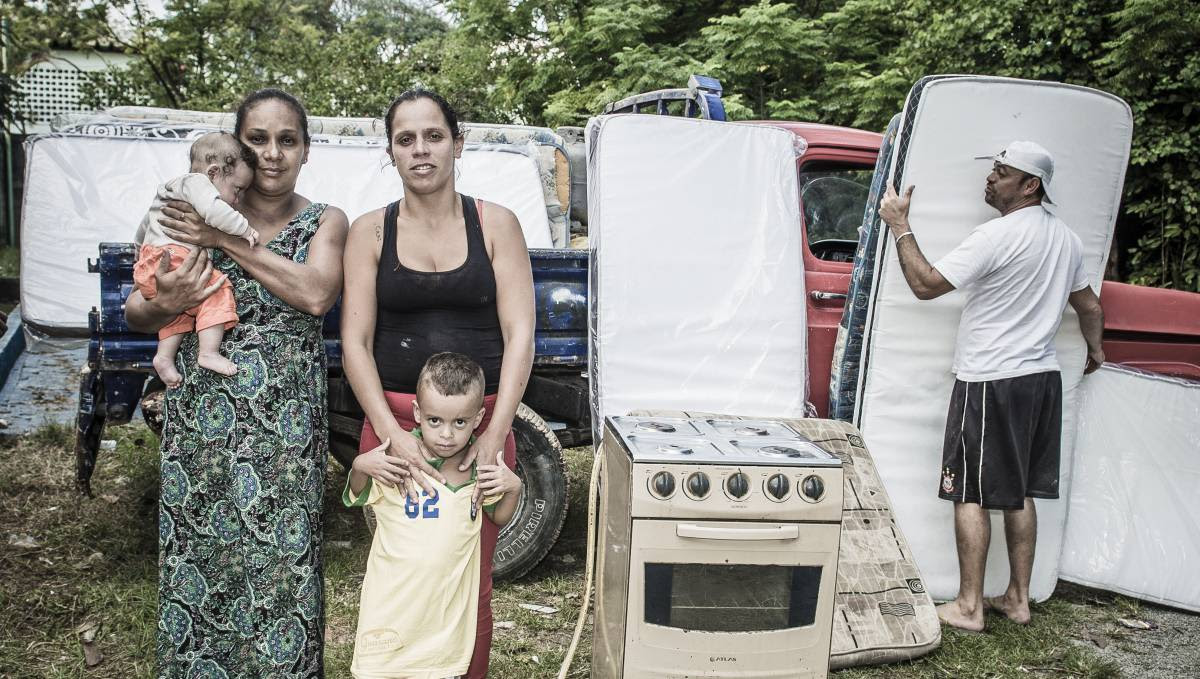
[94, 559]
[1042, 648]
[96, 562]
[10, 262]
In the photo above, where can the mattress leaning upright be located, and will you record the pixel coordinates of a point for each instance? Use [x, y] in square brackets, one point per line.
[905, 379]
[697, 282]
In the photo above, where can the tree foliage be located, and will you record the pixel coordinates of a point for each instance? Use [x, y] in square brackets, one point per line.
[1153, 62]
[847, 62]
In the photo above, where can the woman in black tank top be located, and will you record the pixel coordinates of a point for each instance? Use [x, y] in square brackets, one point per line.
[420, 313]
[435, 271]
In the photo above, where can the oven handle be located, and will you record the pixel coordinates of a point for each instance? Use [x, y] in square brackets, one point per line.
[689, 530]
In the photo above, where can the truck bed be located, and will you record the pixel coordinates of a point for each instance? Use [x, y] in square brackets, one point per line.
[560, 293]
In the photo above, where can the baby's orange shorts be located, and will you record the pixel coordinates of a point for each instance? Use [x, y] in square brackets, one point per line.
[218, 308]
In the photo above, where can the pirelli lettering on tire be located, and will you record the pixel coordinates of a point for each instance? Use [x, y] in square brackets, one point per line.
[526, 535]
[526, 540]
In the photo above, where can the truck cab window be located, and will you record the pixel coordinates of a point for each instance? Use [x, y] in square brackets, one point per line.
[833, 200]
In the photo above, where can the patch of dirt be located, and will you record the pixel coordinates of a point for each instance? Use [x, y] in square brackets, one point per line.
[1114, 628]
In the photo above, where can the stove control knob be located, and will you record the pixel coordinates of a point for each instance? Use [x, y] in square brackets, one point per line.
[662, 485]
[777, 487]
[737, 486]
[812, 488]
[697, 485]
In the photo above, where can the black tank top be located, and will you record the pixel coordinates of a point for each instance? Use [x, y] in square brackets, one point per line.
[423, 312]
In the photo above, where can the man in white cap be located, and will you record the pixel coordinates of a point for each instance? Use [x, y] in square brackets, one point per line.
[1001, 447]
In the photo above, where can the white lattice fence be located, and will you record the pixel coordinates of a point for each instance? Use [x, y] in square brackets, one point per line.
[55, 86]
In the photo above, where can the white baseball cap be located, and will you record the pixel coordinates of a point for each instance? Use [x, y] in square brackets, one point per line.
[1029, 157]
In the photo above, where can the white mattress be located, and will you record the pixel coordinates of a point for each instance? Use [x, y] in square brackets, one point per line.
[548, 149]
[1134, 524]
[697, 291]
[905, 383]
[83, 190]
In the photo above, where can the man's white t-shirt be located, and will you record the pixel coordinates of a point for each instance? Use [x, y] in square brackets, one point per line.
[1017, 271]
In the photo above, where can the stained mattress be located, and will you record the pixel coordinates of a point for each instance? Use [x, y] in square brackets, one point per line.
[1133, 525]
[904, 380]
[882, 612]
[697, 284]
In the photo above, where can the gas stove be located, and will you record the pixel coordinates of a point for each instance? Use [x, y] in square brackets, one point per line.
[725, 527]
[709, 441]
[717, 468]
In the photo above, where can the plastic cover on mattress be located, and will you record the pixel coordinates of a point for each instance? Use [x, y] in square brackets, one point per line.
[1133, 525]
[549, 148]
[905, 379]
[81, 190]
[697, 282]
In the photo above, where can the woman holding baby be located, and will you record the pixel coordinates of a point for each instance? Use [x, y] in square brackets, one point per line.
[244, 457]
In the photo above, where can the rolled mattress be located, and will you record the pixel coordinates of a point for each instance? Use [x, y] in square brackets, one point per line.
[904, 379]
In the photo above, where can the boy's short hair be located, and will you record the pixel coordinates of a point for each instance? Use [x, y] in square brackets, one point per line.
[220, 148]
[452, 374]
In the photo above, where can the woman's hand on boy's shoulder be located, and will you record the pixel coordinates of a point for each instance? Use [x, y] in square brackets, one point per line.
[377, 464]
[411, 453]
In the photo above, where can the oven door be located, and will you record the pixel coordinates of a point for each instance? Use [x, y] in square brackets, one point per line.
[730, 599]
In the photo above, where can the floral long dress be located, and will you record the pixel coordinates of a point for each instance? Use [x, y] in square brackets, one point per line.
[243, 469]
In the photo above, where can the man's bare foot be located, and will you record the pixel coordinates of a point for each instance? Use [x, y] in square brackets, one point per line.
[1016, 611]
[216, 363]
[952, 614]
[165, 367]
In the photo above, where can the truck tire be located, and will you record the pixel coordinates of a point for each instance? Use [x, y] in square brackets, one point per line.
[539, 517]
[540, 514]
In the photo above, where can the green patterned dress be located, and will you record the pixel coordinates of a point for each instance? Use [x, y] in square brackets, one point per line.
[243, 469]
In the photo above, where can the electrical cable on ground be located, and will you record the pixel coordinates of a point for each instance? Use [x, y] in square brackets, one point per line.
[590, 559]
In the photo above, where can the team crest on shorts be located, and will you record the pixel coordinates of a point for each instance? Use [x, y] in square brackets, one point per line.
[947, 480]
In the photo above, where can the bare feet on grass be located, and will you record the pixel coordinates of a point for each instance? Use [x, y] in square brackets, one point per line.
[165, 367]
[1010, 607]
[954, 614]
[216, 363]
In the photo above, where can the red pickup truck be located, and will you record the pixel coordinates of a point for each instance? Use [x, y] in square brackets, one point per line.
[1153, 329]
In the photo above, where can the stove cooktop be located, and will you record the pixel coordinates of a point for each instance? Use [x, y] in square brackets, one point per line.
[714, 441]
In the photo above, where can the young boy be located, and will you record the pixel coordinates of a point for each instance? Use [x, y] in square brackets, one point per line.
[221, 168]
[420, 596]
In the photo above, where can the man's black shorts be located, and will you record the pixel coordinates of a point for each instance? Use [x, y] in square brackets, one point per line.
[1003, 441]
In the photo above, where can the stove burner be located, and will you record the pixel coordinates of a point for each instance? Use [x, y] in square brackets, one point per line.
[655, 427]
[750, 431]
[674, 449]
[781, 451]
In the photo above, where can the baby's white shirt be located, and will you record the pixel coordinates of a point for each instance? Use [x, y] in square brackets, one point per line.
[194, 188]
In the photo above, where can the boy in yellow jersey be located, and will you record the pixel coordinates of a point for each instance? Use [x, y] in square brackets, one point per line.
[419, 599]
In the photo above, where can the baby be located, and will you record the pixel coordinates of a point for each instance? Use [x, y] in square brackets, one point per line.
[221, 169]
